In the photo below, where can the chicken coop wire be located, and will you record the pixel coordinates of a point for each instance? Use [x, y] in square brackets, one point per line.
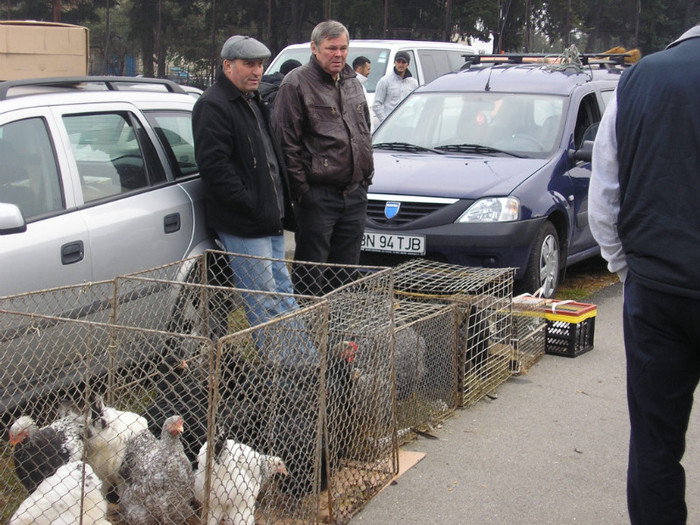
[101, 385]
[484, 300]
[360, 449]
[425, 362]
[270, 397]
[529, 331]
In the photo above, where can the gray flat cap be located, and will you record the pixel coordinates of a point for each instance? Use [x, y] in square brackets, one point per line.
[244, 47]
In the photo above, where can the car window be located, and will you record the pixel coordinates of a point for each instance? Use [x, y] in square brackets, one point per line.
[29, 176]
[522, 124]
[434, 63]
[113, 154]
[588, 115]
[174, 129]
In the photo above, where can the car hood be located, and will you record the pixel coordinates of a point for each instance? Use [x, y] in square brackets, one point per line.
[451, 176]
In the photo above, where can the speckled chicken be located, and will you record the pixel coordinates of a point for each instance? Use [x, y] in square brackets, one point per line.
[158, 482]
[39, 452]
[238, 475]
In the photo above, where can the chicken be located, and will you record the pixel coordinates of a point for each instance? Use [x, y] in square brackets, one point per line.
[179, 391]
[108, 432]
[158, 482]
[39, 452]
[60, 497]
[409, 359]
[238, 475]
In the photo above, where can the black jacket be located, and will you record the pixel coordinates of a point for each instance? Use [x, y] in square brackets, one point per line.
[240, 191]
[658, 136]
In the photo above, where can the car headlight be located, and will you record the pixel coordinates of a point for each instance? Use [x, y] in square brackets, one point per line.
[492, 209]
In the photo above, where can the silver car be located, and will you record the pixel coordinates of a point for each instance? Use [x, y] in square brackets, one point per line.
[97, 179]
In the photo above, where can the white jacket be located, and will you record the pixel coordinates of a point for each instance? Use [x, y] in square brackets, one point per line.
[391, 89]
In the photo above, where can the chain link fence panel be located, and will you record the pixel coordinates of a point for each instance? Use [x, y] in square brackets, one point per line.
[426, 366]
[359, 451]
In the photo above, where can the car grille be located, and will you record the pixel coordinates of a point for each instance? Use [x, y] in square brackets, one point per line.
[409, 212]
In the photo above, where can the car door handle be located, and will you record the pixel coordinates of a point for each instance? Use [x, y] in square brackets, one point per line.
[72, 252]
[171, 223]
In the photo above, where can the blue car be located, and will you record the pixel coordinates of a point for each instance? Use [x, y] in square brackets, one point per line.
[490, 166]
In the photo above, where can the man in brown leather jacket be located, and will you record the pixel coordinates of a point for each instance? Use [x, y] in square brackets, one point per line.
[322, 121]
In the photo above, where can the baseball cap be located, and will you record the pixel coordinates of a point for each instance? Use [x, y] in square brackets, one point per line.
[245, 48]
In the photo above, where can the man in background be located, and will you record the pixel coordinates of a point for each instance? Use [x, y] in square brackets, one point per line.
[393, 87]
[363, 67]
[644, 213]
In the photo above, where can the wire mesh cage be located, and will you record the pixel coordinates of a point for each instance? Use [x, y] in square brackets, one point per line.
[425, 362]
[484, 298]
[359, 448]
[70, 441]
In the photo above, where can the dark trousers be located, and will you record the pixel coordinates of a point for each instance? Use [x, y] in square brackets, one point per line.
[330, 224]
[662, 341]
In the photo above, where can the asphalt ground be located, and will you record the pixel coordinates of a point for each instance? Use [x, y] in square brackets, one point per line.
[550, 448]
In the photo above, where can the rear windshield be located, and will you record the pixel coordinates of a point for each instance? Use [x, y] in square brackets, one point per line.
[378, 57]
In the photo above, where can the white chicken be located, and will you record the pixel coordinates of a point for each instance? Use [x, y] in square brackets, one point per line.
[108, 432]
[158, 482]
[238, 474]
[58, 499]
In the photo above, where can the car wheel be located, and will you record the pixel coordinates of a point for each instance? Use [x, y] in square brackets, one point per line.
[187, 314]
[544, 265]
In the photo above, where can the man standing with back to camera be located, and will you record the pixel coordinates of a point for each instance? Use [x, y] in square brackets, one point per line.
[643, 207]
[322, 121]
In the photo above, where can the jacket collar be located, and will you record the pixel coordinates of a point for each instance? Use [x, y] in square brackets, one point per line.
[691, 33]
[232, 92]
[407, 75]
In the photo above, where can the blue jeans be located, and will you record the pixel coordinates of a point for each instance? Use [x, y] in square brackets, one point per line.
[266, 275]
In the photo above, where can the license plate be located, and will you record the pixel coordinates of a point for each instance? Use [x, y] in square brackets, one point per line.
[393, 243]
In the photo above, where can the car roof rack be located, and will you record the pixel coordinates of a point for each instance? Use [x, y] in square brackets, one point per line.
[35, 86]
[603, 60]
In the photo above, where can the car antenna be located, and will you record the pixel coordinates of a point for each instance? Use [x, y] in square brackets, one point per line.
[487, 87]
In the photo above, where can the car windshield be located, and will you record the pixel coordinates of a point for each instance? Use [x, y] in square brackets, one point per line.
[527, 125]
[378, 57]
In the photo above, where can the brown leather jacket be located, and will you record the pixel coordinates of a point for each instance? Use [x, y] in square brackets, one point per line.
[324, 129]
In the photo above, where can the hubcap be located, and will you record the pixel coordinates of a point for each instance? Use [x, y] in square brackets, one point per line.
[549, 265]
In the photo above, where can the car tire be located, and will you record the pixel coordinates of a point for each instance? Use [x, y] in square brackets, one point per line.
[544, 265]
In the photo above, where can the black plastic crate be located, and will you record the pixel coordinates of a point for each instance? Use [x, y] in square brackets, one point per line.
[569, 339]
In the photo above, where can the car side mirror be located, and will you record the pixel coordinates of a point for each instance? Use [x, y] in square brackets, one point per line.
[584, 153]
[11, 219]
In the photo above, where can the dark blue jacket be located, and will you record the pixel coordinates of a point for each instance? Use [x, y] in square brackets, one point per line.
[240, 191]
[658, 136]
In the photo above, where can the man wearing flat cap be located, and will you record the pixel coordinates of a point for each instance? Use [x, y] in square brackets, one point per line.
[393, 87]
[245, 181]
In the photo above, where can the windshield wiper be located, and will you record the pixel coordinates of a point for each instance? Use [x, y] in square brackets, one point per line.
[404, 146]
[475, 148]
